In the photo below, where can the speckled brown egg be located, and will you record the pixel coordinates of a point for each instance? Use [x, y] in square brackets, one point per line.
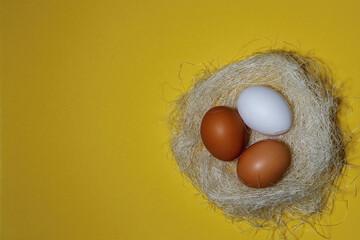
[264, 163]
[223, 132]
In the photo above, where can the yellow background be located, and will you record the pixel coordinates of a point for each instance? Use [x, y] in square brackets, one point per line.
[85, 85]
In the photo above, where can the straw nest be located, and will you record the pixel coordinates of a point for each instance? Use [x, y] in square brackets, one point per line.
[315, 139]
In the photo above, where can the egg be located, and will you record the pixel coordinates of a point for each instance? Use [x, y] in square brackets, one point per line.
[264, 110]
[264, 163]
[222, 132]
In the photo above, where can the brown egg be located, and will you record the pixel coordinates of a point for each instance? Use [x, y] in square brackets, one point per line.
[222, 132]
[264, 163]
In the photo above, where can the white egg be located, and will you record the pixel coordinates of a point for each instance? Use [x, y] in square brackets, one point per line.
[264, 110]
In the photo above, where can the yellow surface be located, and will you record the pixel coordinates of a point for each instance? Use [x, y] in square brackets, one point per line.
[85, 85]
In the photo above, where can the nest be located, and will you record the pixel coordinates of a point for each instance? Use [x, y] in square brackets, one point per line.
[315, 138]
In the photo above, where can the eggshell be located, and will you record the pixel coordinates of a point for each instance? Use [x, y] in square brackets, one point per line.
[222, 132]
[264, 163]
[264, 110]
